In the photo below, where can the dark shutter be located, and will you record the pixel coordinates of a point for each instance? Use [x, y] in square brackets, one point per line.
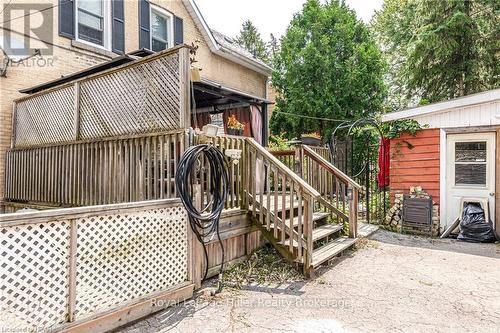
[67, 18]
[178, 31]
[144, 24]
[118, 19]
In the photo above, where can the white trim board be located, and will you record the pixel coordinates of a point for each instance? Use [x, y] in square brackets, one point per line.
[484, 97]
[442, 179]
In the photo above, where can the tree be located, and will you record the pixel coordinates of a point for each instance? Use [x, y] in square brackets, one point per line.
[439, 49]
[250, 39]
[328, 66]
[272, 47]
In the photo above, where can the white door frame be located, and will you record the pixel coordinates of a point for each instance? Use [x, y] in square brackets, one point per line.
[443, 147]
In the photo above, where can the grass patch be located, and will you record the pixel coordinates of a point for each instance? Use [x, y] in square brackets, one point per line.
[264, 266]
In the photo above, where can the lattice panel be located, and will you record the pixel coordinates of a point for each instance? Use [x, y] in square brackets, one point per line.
[33, 275]
[122, 257]
[136, 100]
[46, 118]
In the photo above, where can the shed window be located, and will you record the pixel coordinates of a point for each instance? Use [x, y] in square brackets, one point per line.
[470, 163]
[91, 22]
[161, 29]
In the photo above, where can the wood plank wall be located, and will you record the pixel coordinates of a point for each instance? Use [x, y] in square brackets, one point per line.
[415, 162]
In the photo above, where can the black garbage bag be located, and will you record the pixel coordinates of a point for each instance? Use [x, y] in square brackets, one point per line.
[473, 226]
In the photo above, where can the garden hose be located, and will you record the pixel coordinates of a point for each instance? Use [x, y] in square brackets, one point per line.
[204, 223]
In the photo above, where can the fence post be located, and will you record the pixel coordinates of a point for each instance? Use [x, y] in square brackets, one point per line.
[77, 111]
[197, 260]
[308, 217]
[299, 157]
[353, 212]
[14, 125]
[73, 234]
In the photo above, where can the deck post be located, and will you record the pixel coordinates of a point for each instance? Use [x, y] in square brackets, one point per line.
[73, 234]
[353, 212]
[299, 157]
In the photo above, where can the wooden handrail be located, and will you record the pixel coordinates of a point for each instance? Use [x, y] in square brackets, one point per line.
[278, 153]
[330, 168]
[283, 168]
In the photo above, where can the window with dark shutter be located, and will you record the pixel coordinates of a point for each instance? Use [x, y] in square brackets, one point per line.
[144, 24]
[178, 31]
[118, 28]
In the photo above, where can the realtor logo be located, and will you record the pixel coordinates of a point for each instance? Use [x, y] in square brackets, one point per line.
[27, 29]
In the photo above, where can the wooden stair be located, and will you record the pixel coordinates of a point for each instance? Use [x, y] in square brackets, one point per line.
[309, 214]
[326, 236]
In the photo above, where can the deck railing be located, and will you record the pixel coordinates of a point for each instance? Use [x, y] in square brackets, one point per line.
[339, 193]
[235, 170]
[98, 172]
[273, 188]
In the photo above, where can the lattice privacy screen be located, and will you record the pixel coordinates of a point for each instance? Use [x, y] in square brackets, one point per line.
[34, 275]
[119, 258]
[123, 257]
[140, 98]
[46, 118]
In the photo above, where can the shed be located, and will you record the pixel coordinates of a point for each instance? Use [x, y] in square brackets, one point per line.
[454, 157]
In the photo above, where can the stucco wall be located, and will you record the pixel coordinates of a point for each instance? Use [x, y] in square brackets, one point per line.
[68, 57]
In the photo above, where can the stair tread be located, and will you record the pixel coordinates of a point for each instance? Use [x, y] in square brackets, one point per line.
[316, 217]
[325, 230]
[271, 205]
[331, 249]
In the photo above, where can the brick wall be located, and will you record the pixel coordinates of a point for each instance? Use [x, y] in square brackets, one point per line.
[415, 162]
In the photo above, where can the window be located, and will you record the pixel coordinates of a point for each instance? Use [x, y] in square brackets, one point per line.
[161, 29]
[92, 22]
[470, 163]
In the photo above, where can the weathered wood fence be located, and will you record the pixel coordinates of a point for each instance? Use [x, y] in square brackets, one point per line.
[66, 268]
[96, 172]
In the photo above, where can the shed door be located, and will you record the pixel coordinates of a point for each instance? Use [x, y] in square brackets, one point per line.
[470, 171]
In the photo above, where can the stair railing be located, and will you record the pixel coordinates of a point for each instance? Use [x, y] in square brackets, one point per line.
[273, 194]
[338, 193]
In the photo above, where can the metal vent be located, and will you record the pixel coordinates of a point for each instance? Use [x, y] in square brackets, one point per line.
[417, 215]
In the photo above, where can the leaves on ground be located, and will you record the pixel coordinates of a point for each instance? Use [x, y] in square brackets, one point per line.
[264, 266]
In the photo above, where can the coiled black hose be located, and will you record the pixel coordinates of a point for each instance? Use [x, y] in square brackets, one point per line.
[204, 223]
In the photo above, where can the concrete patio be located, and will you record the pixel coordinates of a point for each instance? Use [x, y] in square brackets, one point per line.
[391, 283]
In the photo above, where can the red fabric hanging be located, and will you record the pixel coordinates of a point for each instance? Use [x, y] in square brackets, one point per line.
[384, 161]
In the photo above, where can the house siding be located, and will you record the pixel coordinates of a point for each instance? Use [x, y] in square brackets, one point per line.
[415, 162]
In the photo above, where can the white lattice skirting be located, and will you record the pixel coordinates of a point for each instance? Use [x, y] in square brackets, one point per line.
[120, 255]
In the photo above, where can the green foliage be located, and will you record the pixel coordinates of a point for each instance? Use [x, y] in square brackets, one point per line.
[438, 50]
[272, 47]
[278, 142]
[395, 128]
[250, 39]
[328, 66]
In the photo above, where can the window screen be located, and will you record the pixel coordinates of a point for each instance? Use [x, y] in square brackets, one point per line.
[160, 31]
[91, 21]
[470, 163]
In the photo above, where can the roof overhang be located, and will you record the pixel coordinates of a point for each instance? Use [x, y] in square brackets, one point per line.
[483, 97]
[226, 95]
[220, 50]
